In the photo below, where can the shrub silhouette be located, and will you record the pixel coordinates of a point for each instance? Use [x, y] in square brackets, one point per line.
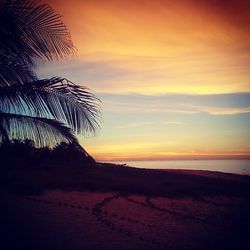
[23, 154]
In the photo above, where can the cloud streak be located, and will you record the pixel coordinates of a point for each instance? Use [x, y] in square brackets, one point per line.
[179, 123]
[157, 47]
[225, 104]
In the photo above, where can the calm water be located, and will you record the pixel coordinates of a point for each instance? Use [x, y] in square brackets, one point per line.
[227, 166]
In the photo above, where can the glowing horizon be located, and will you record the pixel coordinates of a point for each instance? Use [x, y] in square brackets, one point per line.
[175, 71]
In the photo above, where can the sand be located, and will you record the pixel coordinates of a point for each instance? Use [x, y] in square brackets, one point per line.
[61, 218]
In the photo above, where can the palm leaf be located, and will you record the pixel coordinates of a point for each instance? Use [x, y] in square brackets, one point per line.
[43, 131]
[54, 98]
[14, 70]
[36, 30]
[29, 31]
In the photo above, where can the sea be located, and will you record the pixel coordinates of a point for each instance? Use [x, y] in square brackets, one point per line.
[226, 166]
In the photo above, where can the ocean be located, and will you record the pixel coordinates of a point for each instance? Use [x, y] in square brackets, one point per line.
[226, 166]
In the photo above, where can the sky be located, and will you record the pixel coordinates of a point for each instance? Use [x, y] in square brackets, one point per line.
[173, 76]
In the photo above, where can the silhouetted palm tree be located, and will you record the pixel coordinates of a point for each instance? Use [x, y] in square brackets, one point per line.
[42, 110]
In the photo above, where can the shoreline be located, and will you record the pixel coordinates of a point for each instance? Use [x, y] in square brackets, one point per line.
[121, 178]
[241, 167]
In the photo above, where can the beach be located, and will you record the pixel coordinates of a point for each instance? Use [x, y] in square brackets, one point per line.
[124, 125]
[123, 208]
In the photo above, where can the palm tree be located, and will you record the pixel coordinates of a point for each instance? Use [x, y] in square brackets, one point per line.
[47, 111]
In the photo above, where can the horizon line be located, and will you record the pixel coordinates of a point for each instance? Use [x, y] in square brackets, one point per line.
[174, 158]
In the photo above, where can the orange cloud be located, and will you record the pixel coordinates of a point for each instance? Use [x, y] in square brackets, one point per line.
[162, 46]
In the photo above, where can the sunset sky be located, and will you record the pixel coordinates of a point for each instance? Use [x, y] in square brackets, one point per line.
[173, 76]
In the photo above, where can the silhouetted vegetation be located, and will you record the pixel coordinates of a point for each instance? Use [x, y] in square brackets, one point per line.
[48, 111]
[24, 154]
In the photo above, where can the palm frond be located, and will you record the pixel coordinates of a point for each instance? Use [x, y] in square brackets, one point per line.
[43, 131]
[29, 107]
[36, 30]
[14, 70]
[55, 98]
[29, 31]
[3, 133]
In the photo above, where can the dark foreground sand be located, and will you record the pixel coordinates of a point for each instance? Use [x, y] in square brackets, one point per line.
[112, 207]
